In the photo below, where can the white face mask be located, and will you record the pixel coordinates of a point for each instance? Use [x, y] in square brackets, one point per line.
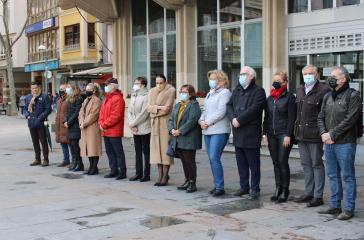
[69, 91]
[136, 87]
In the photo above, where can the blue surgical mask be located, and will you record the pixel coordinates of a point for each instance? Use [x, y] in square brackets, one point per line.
[309, 79]
[107, 89]
[212, 84]
[69, 91]
[183, 96]
[243, 81]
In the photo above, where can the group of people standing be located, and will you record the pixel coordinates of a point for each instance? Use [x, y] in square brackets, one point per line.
[319, 118]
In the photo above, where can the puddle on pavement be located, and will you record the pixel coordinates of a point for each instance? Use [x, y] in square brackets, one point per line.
[223, 209]
[25, 182]
[68, 175]
[154, 222]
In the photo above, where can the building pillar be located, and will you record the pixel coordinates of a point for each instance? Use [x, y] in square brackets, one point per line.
[274, 40]
[186, 44]
[84, 36]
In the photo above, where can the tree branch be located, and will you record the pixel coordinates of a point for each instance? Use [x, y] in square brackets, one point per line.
[23, 28]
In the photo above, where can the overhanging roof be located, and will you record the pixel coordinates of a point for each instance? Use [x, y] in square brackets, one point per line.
[95, 71]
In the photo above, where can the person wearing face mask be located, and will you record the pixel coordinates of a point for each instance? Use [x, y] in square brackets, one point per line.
[185, 134]
[308, 100]
[61, 130]
[245, 110]
[160, 103]
[139, 123]
[111, 124]
[90, 133]
[279, 118]
[74, 103]
[215, 125]
[37, 109]
[340, 123]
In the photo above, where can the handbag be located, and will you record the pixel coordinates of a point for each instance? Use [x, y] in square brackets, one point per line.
[171, 152]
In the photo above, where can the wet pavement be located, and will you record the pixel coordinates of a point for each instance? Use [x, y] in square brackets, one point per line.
[50, 203]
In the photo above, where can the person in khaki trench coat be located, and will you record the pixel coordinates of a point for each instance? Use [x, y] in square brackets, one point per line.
[160, 103]
[90, 133]
[61, 130]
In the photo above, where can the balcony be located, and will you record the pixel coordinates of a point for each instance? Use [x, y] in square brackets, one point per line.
[40, 56]
[72, 47]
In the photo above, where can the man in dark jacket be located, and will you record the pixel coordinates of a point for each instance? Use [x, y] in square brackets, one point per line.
[309, 99]
[37, 109]
[338, 124]
[245, 110]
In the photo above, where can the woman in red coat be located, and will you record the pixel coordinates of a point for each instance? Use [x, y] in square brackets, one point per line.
[111, 123]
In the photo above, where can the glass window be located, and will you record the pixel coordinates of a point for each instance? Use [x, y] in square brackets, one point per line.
[324, 63]
[321, 4]
[206, 12]
[171, 59]
[295, 6]
[91, 35]
[340, 3]
[206, 56]
[353, 62]
[72, 35]
[139, 57]
[231, 54]
[253, 9]
[253, 48]
[156, 58]
[230, 11]
[296, 64]
[156, 18]
[139, 17]
[171, 20]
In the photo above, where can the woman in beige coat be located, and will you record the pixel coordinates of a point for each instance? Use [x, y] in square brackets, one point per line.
[160, 103]
[90, 133]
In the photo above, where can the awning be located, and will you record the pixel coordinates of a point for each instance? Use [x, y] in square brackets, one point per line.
[95, 71]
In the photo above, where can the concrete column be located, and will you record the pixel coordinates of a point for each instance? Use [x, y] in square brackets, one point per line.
[186, 44]
[84, 36]
[274, 40]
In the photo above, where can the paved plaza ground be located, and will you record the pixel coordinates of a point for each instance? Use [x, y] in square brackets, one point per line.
[51, 203]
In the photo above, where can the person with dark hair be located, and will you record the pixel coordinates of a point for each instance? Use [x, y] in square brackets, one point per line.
[279, 117]
[186, 136]
[160, 103]
[74, 103]
[340, 124]
[111, 124]
[90, 132]
[139, 123]
[37, 109]
[22, 102]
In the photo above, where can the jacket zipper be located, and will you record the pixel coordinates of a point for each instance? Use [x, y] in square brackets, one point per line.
[274, 113]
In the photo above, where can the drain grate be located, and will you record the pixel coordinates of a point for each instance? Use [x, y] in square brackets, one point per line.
[154, 222]
[223, 209]
[68, 175]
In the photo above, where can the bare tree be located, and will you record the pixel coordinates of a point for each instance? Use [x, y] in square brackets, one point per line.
[8, 43]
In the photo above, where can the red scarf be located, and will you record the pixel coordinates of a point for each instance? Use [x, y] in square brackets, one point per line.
[275, 93]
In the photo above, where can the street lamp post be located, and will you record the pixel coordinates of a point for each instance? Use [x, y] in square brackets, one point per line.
[43, 49]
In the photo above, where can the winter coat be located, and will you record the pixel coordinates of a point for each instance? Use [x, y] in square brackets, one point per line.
[159, 123]
[90, 143]
[71, 118]
[41, 110]
[111, 117]
[138, 115]
[61, 130]
[190, 137]
[247, 105]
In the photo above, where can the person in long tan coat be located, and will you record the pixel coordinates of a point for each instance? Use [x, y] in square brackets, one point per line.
[61, 130]
[160, 103]
[90, 144]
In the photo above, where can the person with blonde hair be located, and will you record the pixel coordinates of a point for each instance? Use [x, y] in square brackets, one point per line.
[216, 126]
[90, 132]
[74, 101]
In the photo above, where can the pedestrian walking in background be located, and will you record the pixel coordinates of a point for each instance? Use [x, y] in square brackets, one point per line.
[22, 103]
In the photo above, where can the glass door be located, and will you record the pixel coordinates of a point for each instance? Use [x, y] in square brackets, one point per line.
[230, 52]
[156, 58]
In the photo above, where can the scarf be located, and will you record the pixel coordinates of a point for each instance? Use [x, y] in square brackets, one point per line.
[32, 102]
[180, 111]
[275, 93]
[342, 89]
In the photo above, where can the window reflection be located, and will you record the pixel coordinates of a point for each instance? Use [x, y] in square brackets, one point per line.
[253, 9]
[156, 17]
[206, 12]
[230, 11]
[231, 54]
[295, 6]
[321, 4]
[340, 3]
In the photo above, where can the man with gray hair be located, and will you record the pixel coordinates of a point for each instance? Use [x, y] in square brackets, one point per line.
[309, 100]
[340, 124]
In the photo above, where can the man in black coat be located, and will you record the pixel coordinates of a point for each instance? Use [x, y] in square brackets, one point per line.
[245, 110]
[37, 108]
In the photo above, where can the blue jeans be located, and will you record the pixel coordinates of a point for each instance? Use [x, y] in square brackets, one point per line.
[215, 145]
[340, 160]
[66, 153]
[115, 153]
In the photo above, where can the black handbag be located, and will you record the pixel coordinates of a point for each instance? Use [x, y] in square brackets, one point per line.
[171, 152]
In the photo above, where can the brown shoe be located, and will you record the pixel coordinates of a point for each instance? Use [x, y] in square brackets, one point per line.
[45, 163]
[36, 163]
[315, 202]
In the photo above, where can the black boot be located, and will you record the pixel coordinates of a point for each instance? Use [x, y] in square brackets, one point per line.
[276, 195]
[79, 166]
[113, 173]
[184, 186]
[94, 170]
[91, 161]
[191, 187]
[72, 166]
[284, 196]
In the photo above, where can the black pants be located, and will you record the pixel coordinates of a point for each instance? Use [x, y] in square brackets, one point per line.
[39, 135]
[75, 149]
[248, 159]
[280, 156]
[115, 153]
[188, 158]
[142, 147]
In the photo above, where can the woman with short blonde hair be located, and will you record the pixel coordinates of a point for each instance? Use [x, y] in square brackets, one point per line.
[221, 77]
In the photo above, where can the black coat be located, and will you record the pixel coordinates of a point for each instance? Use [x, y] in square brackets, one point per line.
[247, 105]
[41, 110]
[280, 115]
[308, 108]
[71, 118]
